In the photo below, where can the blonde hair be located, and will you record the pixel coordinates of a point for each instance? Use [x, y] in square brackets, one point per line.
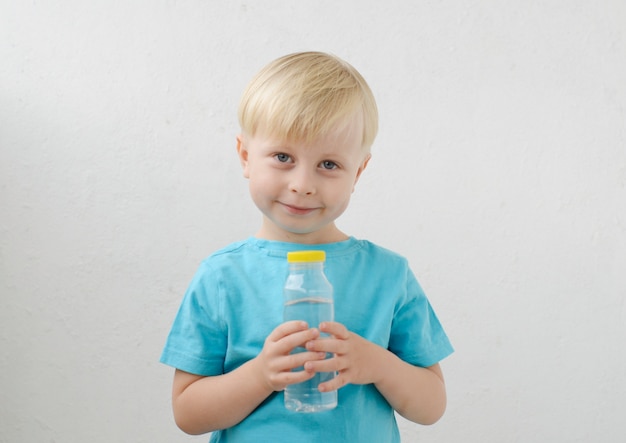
[305, 95]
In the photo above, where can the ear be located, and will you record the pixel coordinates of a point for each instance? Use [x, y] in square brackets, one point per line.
[242, 152]
[361, 169]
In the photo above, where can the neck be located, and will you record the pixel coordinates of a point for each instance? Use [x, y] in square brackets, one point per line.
[328, 234]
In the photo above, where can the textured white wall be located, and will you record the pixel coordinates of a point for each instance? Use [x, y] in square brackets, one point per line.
[500, 172]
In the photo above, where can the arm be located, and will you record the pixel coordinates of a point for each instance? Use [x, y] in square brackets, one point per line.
[204, 404]
[418, 394]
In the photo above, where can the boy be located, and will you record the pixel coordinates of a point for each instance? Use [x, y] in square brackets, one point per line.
[308, 121]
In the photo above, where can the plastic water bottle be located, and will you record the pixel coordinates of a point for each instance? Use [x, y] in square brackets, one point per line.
[308, 296]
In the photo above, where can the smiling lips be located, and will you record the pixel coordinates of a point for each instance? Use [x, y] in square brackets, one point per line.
[296, 210]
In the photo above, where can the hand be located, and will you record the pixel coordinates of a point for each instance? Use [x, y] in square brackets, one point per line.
[276, 361]
[355, 358]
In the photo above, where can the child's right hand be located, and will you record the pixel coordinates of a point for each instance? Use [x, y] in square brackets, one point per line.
[276, 361]
[204, 404]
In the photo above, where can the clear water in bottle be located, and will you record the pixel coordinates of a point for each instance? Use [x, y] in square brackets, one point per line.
[305, 397]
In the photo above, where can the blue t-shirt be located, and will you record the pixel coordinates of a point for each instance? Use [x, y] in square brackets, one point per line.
[235, 301]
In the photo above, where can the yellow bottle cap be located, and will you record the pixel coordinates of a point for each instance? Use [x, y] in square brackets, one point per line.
[306, 256]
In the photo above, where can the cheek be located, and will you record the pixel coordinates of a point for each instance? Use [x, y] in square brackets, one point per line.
[347, 186]
[340, 193]
[261, 184]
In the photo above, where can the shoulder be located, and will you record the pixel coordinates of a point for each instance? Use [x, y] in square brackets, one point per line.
[238, 247]
[381, 255]
[232, 252]
[224, 261]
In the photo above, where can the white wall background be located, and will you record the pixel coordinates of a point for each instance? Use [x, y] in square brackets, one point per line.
[499, 171]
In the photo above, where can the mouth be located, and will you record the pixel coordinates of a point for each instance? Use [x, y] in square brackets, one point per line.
[297, 210]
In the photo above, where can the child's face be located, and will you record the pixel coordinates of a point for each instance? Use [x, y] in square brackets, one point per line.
[301, 188]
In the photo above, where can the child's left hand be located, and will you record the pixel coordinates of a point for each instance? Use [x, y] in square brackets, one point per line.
[360, 361]
[355, 359]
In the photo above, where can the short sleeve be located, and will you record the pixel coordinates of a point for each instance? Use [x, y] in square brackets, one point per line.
[417, 336]
[197, 341]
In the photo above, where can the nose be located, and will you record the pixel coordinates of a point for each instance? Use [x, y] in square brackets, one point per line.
[302, 182]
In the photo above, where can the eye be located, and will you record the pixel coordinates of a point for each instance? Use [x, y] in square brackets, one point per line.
[327, 164]
[283, 158]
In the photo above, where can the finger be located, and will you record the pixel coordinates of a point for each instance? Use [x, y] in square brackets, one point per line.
[325, 365]
[330, 345]
[293, 377]
[290, 369]
[295, 340]
[300, 360]
[288, 336]
[284, 378]
[332, 385]
[334, 328]
[287, 328]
